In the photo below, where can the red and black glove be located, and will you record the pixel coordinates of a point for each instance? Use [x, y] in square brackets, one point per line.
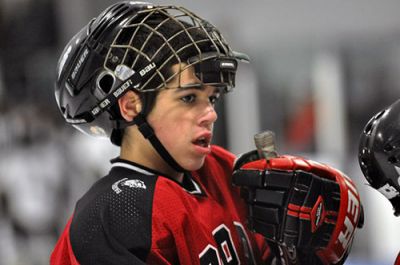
[307, 210]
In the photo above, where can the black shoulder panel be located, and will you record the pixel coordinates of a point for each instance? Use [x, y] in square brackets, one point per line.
[112, 221]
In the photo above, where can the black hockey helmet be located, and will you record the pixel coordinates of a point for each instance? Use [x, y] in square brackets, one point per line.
[379, 153]
[132, 45]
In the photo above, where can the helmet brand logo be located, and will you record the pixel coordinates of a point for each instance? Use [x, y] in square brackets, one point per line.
[95, 111]
[147, 69]
[80, 63]
[228, 65]
[75, 121]
[105, 103]
[122, 89]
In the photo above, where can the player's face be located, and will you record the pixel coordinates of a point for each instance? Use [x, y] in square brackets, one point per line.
[183, 119]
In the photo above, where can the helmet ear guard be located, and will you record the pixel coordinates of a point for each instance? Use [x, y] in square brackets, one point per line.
[379, 153]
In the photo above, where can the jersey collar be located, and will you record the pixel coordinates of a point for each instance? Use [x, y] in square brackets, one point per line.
[188, 183]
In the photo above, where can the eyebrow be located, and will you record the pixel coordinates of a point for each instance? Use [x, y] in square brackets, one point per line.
[197, 86]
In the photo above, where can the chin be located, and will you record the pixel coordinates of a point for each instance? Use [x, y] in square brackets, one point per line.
[193, 165]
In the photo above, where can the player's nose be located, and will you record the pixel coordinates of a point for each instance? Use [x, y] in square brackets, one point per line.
[208, 116]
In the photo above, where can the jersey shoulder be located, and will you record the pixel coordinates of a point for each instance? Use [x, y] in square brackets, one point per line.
[114, 216]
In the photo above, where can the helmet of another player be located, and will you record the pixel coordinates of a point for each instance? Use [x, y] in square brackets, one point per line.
[379, 153]
[132, 46]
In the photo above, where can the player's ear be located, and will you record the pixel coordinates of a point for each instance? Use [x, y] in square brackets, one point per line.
[130, 105]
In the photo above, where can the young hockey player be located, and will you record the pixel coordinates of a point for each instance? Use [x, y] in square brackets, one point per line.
[148, 77]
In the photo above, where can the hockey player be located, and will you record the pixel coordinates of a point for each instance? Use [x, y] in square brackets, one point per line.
[379, 155]
[148, 77]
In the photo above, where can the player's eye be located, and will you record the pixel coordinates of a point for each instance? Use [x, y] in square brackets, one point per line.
[214, 98]
[188, 98]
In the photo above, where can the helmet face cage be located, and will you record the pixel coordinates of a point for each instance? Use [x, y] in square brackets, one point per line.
[133, 45]
[191, 36]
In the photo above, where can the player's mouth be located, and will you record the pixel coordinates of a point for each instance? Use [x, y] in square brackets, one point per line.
[203, 143]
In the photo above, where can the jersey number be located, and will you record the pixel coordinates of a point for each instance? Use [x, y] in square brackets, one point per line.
[225, 253]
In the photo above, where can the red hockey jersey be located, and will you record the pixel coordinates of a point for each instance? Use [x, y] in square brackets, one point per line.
[135, 215]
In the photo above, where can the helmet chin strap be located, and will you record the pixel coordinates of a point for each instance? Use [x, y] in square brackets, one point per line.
[148, 133]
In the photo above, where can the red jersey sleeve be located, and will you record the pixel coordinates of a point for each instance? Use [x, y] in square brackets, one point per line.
[62, 253]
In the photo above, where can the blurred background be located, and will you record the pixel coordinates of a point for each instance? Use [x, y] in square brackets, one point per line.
[319, 71]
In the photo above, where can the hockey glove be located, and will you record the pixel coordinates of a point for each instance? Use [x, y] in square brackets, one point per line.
[307, 210]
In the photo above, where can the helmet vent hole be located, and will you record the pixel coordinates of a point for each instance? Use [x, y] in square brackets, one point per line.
[368, 128]
[106, 82]
[379, 114]
[392, 159]
[101, 27]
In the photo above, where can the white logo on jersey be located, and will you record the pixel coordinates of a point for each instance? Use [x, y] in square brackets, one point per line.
[134, 183]
[131, 183]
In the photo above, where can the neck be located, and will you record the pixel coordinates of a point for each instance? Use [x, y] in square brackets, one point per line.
[139, 150]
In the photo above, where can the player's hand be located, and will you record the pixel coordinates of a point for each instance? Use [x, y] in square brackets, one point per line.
[308, 209]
